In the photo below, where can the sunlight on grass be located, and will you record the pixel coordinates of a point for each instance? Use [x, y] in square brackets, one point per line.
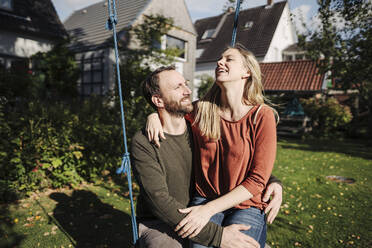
[316, 212]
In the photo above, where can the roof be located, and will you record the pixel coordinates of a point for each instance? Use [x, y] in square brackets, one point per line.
[33, 17]
[257, 39]
[87, 25]
[301, 75]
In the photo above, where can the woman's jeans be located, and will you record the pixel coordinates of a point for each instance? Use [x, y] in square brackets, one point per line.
[252, 216]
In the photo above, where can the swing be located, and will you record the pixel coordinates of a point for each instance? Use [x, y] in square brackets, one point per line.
[125, 163]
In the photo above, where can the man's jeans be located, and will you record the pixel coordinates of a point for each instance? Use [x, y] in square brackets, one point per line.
[252, 216]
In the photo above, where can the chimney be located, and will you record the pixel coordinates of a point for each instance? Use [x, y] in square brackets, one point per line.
[270, 4]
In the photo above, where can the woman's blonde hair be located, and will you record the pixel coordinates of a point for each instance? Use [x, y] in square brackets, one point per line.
[207, 115]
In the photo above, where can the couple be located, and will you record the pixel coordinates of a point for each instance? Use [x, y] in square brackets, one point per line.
[216, 156]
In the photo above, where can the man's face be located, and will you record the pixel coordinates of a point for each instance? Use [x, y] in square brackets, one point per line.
[175, 93]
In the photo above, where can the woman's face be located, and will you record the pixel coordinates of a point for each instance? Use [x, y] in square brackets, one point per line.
[230, 67]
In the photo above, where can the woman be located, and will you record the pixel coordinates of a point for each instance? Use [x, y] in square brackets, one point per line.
[234, 149]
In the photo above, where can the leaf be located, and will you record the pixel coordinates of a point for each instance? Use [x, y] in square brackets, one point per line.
[56, 162]
[78, 154]
[15, 160]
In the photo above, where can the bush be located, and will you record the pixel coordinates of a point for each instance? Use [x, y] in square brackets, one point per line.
[206, 83]
[51, 138]
[56, 145]
[328, 117]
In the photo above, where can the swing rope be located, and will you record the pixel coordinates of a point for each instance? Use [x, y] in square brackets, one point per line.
[125, 162]
[236, 18]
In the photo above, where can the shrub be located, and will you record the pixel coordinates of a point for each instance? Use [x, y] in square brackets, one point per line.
[206, 83]
[328, 117]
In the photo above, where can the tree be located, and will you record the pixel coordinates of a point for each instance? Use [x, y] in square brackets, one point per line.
[56, 73]
[231, 4]
[137, 64]
[205, 84]
[342, 45]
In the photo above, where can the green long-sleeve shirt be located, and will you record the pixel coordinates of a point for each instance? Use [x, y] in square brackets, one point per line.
[164, 175]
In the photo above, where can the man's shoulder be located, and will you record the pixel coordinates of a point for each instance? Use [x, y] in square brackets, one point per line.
[140, 138]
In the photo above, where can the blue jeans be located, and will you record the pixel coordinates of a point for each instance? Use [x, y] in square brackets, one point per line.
[251, 216]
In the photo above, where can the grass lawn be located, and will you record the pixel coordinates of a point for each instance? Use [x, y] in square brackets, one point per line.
[315, 212]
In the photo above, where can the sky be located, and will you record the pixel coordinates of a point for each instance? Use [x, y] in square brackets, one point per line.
[205, 8]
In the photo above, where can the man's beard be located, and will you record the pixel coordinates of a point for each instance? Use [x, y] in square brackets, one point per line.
[176, 108]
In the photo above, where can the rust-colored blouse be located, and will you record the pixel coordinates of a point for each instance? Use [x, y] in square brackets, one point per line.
[244, 155]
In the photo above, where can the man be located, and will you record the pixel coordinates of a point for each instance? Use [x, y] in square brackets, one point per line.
[165, 173]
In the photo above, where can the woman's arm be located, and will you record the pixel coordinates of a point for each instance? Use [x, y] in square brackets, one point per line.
[198, 216]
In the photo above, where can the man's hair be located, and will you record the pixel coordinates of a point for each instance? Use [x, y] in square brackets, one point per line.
[151, 87]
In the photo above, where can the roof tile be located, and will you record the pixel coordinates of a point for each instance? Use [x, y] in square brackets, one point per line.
[87, 25]
[33, 17]
[257, 39]
[301, 75]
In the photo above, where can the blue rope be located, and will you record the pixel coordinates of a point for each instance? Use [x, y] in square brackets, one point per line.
[125, 162]
[235, 23]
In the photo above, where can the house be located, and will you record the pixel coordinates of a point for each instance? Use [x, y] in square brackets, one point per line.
[93, 44]
[27, 27]
[265, 30]
[293, 52]
[291, 80]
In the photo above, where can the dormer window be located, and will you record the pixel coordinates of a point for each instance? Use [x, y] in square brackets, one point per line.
[208, 34]
[6, 4]
[248, 25]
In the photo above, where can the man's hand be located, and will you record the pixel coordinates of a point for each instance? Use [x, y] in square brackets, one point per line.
[232, 237]
[275, 190]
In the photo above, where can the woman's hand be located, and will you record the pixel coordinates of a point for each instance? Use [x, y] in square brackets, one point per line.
[197, 218]
[154, 129]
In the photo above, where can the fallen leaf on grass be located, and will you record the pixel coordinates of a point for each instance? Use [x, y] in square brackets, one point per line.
[46, 233]
[28, 225]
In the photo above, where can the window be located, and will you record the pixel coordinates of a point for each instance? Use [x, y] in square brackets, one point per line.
[6, 4]
[288, 57]
[248, 25]
[175, 43]
[92, 75]
[199, 52]
[170, 42]
[299, 56]
[208, 34]
[2, 63]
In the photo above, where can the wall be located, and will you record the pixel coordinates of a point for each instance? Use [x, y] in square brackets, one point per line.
[19, 45]
[284, 36]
